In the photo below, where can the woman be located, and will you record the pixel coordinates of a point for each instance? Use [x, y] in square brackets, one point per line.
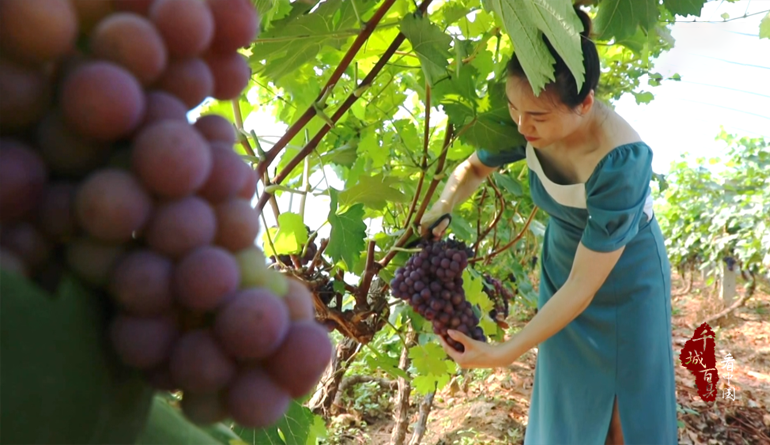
[605, 370]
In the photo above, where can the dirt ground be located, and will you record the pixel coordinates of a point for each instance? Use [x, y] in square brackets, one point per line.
[492, 408]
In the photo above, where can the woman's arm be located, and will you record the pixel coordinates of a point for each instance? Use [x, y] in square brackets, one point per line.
[462, 183]
[589, 271]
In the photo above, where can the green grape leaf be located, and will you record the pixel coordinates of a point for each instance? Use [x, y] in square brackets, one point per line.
[61, 380]
[342, 155]
[764, 27]
[288, 238]
[386, 364]
[429, 358]
[373, 191]
[425, 384]
[474, 292]
[453, 12]
[644, 97]
[510, 184]
[407, 132]
[167, 425]
[346, 240]
[431, 45]
[535, 59]
[369, 146]
[461, 227]
[493, 128]
[487, 325]
[684, 7]
[558, 21]
[457, 87]
[272, 10]
[296, 40]
[525, 21]
[619, 18]
[297, 426]
[432, 367]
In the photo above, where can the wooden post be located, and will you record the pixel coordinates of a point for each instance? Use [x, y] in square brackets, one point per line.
[727, 284]
[401, 412]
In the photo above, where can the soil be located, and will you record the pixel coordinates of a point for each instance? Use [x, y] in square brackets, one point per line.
[491, 406]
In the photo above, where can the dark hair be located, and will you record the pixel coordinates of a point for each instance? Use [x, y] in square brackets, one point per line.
[565, 83]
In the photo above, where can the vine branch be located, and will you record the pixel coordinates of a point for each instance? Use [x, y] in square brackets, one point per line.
[238, 116]
[424, 164]
[409, 231]
[366, 31]
[397, 41]
[366, 280]
[511, 243]
[480, 209]
[449, 139]
[498, 214]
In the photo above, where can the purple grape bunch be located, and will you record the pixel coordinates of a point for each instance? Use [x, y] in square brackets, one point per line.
[431, 283]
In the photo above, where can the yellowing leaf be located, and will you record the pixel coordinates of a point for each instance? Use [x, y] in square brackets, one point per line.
[289, 238]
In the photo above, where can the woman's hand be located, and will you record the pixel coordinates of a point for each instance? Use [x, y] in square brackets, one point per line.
[477, 354]
[438, 210]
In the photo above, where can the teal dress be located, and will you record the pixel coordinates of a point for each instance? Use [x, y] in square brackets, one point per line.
[621, 344]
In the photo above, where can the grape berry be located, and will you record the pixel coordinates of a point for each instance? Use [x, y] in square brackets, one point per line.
[102, 176]
[431, 283]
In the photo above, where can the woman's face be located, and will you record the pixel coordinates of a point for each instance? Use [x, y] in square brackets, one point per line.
[542, 120]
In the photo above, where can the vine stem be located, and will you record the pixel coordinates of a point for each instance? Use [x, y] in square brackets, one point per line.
[449, 138]
[498, 215]
[511, 243]
[310, 146]
[270, 240]
[340, 33]
[398, 333]
[480, 209]
[366, 31]
[317, 259]
[366, 280]
[424, 164]
[238, 116]
[306, 186]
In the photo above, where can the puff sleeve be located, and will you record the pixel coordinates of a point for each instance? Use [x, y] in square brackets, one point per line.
[503, 157]
[615, 197]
